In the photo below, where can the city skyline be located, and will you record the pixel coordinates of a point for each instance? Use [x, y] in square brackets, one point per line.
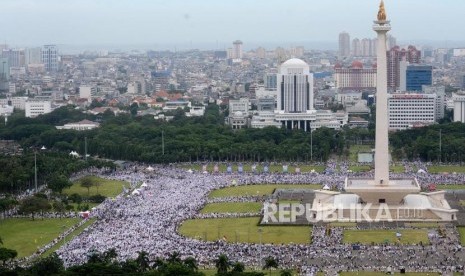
[212, 24]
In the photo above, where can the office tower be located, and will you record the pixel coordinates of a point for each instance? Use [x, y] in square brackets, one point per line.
[261, 52]
[344, 45]
[15, 57]
[356, 77]
[33, 55]
[50, 57]
[366, 47]
[391, 41]
[440, 92]
[270, 81]
[356, 47]
[4, 74]
[237, 49]
[408, 109]
[295, 87]
[459, 106]
[417, 76]
[394, 57]
[374, 47]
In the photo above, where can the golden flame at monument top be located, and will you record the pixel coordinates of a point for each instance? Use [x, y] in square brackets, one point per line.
[381, 12]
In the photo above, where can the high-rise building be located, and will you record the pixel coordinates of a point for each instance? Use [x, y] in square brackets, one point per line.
[237, 49]
[344, 45]
[366, 47]
[4, 73]
[407, 109]
[394, 57]
[50, 57]
[33, 55]
[459, 107]
[260, 52]
[295, 87]
[15, 57]
[356, 47]
[418, 75]
[270, 81]
[391, 41]
[440, 92]
[356, 77]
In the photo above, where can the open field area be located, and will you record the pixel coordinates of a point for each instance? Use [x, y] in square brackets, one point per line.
[25, 235]
[232, 207]
[107, 188]
[361, 168]
[446, 169]
[244, 230]
[251, 190]
[367, 273]
[274, 272]
[71, 236]
[354, 150]
[397, 169]
[462, 235]
[450, 187]
[409, 236]
[248, 168]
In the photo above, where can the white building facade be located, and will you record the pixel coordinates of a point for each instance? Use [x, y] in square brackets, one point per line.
[36, 107]
[407, 109]
[459, 107]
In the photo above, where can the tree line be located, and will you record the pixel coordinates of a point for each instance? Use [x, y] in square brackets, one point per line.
[106, 263]
[207, 138]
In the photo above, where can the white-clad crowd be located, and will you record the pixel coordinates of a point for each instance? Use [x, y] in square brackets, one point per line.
[149, 222]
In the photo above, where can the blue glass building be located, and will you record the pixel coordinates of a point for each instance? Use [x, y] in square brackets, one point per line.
[418, 75]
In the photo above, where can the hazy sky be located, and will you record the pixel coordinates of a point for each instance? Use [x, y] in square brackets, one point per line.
[119, 22]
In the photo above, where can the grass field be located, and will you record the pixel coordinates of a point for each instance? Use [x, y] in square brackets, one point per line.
[232, 207]
[250, 190]
[409, 236]
[244, 230]
[450, 187]
[397, 169]
[355, 149]
[424, 224]
[248, 168]
[446, 169]
[25, 235]
[68, 238]
[368, 273]
[462, 235]
[108, 188]
[361, 168]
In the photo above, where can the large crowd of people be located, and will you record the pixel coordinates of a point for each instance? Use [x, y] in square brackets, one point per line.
[149, 222]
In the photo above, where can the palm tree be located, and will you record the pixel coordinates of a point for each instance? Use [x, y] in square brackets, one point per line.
[191, 263]
[222, 264]
[238, 267]
[143, 260]
[110, 255]
[174, 257]
[270, 263]
[159, 263]
[286, 272]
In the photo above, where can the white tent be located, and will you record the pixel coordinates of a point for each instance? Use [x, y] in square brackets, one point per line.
[326, 187]
[135, 192]
[150, 169]
[144, 185]
[190, 171]
[74, 154]
[421, 171]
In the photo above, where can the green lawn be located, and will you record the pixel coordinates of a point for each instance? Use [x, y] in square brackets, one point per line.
[355, 149]
[369, 273]
[361, 168]
[108, 188]
[397, 169]
[232, 207]
[248, 168]
[26, 236]
[462, 234]
[409, 236]
[450, 187]
[446, 169]
[69, 237]
[424, 224]
[249, 190]
[243, 230]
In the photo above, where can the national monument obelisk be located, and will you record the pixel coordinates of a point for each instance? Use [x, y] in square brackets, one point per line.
[381, 27]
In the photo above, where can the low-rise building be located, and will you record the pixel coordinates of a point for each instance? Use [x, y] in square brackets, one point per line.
[81, 125]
